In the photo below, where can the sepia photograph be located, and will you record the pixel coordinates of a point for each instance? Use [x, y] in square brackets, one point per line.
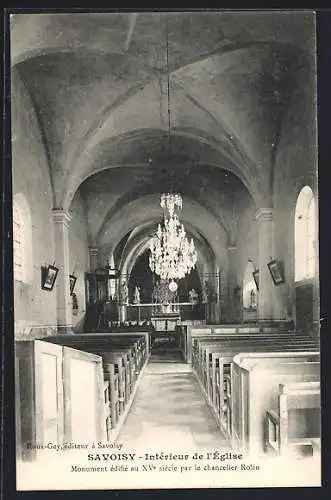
[166, 162]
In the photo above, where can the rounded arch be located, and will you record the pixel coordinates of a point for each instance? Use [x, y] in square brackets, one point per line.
[203, 264]
[305, 235]
[250, 290]
[141, 235]
[22, 239]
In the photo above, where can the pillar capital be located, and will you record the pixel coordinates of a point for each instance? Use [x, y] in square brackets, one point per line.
[60, 216]
[264, 214]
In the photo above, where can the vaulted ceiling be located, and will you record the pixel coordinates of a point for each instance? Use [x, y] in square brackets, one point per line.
[99, 85]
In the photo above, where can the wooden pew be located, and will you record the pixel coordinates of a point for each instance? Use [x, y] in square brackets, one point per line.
[218, 375]
[188, 333]
[204, 361]
[61, 396]
[135, 359]
[255, 380]
[108, 413]
[104, 342]
[200, 342]
[201, 345]
[220, 382]
[302, 401]
[123, 357]
[114, 373]
[113, 370]
[211, 352]
[235, 336]
[143, 337]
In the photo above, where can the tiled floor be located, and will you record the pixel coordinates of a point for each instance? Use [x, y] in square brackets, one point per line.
[169, 411]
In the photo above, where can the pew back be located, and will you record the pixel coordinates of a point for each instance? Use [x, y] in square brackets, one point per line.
[255, 382]
[188, 333]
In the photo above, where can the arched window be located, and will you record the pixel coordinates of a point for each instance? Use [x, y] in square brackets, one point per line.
[22, 245]
[249, 288]
[305, 235]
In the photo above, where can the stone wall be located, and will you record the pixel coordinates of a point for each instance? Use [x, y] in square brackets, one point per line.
[33, 307]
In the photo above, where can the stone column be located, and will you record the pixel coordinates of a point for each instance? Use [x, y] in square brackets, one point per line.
[61, 220]
[266, 306]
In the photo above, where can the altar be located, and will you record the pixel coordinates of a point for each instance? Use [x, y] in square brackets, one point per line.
[165, 329]
[165, 322]
[165, 318]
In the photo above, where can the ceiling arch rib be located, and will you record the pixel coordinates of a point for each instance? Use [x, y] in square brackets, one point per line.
[141, 107]
[139, 33]
[250, 87]
[195, 150]
[49, 33]
[87, 61]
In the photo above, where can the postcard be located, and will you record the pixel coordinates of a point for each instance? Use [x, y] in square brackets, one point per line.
[165, 256]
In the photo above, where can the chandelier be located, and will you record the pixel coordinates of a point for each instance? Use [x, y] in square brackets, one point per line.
[173, 256]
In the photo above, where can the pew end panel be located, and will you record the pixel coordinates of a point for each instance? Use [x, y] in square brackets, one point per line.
[295, 428]
[84, 417]
[39, 397]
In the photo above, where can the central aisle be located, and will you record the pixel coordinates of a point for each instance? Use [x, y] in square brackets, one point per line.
[170, 413]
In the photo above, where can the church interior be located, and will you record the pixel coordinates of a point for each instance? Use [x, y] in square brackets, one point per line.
[134, 132]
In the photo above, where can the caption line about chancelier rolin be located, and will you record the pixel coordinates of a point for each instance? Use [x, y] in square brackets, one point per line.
[110, 457]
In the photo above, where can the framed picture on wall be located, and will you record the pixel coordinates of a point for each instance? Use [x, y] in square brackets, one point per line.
[276, 272]
[49, 275]
[73, 280]
[256, 276]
